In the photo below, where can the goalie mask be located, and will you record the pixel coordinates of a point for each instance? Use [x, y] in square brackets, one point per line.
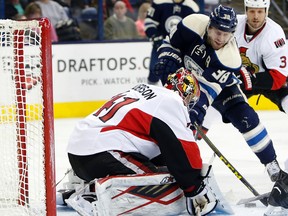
[185, 84]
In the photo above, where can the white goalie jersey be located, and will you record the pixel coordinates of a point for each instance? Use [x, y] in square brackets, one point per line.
[267, 50]
[124, 122]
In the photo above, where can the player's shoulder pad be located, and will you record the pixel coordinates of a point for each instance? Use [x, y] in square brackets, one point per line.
[163, 2]
[229, 55]
[197, 23]
[273, 37]
[274, 28]
[192, 4]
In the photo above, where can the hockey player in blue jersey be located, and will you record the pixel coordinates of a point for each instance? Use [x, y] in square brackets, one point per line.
[206, 47]
[161, 17]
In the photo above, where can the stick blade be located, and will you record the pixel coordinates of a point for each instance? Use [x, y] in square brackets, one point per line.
[255, 198]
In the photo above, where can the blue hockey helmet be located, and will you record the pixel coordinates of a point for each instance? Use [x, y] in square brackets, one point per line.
[223, 18]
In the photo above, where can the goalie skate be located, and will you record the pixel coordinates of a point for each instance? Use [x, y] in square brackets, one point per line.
[276, 211]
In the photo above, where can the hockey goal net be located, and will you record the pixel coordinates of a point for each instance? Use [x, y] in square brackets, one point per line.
[27, 172]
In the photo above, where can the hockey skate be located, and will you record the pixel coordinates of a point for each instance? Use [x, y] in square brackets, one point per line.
[278, 199]
[273, 170]
[276, 211]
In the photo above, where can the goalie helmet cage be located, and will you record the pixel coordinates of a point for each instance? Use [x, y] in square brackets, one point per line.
[27, 168]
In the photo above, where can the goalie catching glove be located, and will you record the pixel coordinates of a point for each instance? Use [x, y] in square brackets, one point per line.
[203, 201]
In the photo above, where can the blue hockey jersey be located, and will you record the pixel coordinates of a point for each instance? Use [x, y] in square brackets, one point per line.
[213, 68]
[164, 14]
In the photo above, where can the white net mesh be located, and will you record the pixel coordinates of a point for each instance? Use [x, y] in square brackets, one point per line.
[22, 181]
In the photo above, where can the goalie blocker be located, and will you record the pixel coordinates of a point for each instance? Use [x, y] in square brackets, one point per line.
[144, 194]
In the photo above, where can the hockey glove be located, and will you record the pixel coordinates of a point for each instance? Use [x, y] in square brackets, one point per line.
[202, 201]
[247, 78]
[279, 193]
[157, 41]
[197, 111]
[164, 67]
[197, 135]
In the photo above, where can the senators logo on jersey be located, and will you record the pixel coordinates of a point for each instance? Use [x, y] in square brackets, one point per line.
[253, 68]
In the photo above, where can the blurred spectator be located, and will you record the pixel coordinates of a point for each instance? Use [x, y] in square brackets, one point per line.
[119, 26]
[88, 23]
[53, 11]
[14, 9]
[210, 5]
[110, 5]
[33, 11]
[76, 7]
[19, 7]
[10, 11]
[142, 12]
[66, 4]
[63, 3]
[68, 30]
[66, 27]
[87, 3]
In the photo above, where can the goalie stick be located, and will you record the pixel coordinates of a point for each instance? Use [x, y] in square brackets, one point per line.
[228, 164]
[252, 199]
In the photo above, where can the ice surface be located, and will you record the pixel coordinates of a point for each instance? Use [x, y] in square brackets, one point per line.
[230, 143]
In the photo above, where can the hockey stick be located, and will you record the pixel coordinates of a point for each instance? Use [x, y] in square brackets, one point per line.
[252, 199]
[65, 174]
[228, 164]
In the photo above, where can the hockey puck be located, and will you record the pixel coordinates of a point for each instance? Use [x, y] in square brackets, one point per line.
[250, 205]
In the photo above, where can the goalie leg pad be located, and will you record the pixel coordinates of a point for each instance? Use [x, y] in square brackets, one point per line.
[139, 194]
[222, 207]
[142, 194]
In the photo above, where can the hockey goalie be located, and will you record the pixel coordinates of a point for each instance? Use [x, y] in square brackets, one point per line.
[140, 194]
[139, 155]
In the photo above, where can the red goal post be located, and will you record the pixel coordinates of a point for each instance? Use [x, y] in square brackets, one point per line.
[27, 167]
